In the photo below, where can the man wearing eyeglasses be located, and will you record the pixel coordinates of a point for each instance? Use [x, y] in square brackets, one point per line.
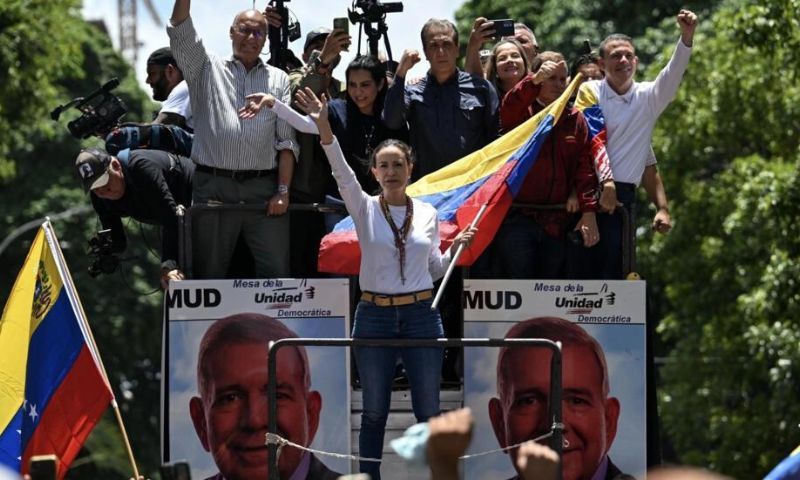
[240, 158]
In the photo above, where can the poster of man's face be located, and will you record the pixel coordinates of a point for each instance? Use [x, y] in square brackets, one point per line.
[218, 407]
[603, 375]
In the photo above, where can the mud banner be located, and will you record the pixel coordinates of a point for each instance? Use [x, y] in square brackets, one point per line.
[601, 326]
[215, 408]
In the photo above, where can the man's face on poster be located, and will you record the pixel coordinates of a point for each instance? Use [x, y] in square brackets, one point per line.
[590, 419]
[231, 418]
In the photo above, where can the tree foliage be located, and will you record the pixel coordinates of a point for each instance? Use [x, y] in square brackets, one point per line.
[563, 25]
[726, 276]
[49, 55]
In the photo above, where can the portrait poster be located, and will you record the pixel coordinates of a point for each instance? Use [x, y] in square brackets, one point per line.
[311, 308]
[612, 312]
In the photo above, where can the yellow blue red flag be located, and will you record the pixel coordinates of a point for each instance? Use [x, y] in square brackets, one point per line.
[491, 176]
[588, 103]
[52, 391]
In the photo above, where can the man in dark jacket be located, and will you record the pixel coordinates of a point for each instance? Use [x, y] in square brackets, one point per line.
[147, 186]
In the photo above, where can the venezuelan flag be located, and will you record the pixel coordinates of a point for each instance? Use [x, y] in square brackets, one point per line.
[491, 176]
[51, 390]
[588, 103]
[788, 469]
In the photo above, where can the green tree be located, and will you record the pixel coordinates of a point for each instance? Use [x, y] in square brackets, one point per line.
[48, 55]
[562, 25]
[725, 278]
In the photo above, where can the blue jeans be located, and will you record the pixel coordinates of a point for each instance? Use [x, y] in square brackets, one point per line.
[524, 250]
[376, 366]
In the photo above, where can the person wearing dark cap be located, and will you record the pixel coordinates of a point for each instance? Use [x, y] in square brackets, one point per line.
[166, 80]
[148, 186]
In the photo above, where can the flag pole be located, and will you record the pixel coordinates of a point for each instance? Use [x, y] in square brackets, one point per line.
[455, 258]
[67, 277]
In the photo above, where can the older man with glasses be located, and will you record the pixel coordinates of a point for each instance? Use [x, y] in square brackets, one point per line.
[240, 156]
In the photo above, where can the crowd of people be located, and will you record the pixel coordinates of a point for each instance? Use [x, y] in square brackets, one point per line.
[267, 137]
[567, 223]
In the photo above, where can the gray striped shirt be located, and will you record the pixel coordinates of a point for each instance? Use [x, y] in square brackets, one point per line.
[217, 89]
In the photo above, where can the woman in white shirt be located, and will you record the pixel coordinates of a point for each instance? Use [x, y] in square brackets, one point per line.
[400, 259]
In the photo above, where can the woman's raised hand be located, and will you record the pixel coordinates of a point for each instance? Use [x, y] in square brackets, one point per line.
[314, 107]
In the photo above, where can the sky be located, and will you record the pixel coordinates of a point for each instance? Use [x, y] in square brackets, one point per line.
[213, 17]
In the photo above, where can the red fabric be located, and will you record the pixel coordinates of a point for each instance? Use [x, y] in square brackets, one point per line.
[72, 412]
[565, 160]
[517, 104]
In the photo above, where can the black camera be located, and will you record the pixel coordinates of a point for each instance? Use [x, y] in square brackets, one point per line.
[104, 255]
[101, 112]
[372, 10]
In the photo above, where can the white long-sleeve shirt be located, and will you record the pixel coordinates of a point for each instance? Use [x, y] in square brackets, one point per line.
[631, 117]
[380, 264]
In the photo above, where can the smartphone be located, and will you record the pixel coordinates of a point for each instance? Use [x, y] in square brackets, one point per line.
[341, 23]
[43, 467]
[175, 471]
[503, 28]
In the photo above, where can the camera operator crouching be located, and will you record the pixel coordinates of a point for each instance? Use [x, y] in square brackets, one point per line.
[148, 186]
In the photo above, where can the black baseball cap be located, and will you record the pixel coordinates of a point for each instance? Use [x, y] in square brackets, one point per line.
[92, 167]
[315, 34]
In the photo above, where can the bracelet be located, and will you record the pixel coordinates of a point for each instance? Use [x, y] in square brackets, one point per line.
[283, 189]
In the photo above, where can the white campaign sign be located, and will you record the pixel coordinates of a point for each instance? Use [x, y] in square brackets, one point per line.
[613, 313]
[312, 308]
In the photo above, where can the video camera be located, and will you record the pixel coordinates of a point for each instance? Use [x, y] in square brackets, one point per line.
[372, 10]
[279, 37]
[101, 112]
[102, 252]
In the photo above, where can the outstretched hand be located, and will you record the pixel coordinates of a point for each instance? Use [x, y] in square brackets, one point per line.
[254, 103]
[313, 106]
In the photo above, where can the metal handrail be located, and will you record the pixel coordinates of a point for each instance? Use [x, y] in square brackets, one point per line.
[554, 406]
[185, 227]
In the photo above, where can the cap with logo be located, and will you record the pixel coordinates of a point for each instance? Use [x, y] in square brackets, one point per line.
[92, 167]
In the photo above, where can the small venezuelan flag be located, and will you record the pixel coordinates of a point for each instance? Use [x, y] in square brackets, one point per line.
[587, 103]
[52, 392]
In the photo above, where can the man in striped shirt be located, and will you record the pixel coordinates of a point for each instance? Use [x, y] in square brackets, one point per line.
[240, 158]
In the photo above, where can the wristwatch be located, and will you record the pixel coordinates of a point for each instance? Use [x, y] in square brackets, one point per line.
[315, 61]
[283, 189]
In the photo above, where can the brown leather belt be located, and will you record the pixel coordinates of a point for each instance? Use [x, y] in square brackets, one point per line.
[382, 300]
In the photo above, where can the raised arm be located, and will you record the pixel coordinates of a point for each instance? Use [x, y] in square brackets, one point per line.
[669, 79]
[180, 12]
[482, 32]
[395, 106]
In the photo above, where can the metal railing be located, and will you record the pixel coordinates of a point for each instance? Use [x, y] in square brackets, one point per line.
[554, 405]
[185, 226]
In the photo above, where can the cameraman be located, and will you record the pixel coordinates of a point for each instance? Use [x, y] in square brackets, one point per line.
[166, 80]
[148, 187]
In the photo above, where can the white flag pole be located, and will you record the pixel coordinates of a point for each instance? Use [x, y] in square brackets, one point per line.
[455, 258]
